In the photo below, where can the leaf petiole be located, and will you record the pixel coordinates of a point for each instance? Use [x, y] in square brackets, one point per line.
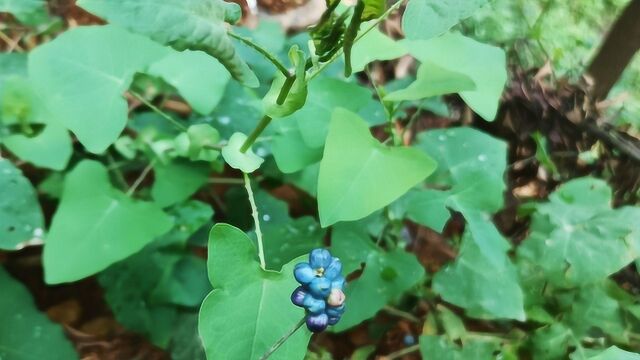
[264, 52]
[256, 219]
[283, 339]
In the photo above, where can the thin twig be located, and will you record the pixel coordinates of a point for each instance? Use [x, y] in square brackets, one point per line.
[158, 111]
[400, 353]
[264, 52]
[140, 178]
[256, 219]
[282, 340]
[402, 314]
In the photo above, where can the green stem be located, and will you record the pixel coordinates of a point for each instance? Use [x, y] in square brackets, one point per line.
[140, 178]
[375, 24]
[282, 340]
[256, 219]
[264, 52]
[400, 353]
[264, 122]
[158, 111]
[286, 88]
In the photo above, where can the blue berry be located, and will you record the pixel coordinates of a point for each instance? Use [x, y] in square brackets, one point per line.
[321, 293]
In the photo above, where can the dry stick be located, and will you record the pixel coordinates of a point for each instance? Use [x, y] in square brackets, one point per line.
[400, 353]
[140, 178]
[256, 219]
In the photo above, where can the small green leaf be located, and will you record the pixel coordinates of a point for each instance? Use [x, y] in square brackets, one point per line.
[484, 64]
[200, 142]
[289, 149]
[49, 149]
[433, 80]
[247, 162]
[29, 12]
[81, 76]
[177, 181]
[486, 289]
[183, 24]
[200, 79]
[594, 308]
[21, 218]
[353, 165]
[437, 347]
[297, 95]
[373, 9]
[425, 19]
[245, 294]
[386, 276]
[25, 332]
[96, 226]
[551, 342]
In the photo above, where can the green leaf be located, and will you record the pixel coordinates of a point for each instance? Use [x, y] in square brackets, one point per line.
[245, 294]
[183, 24]
[437, 347]
[484, 64]
[472, 165]
[81, 75]
[376, 287]
[615, 353]
[326, 94]
[200, 79]
[594, 308]
[577, 238]
[353, 165]
[433, 80]
[96, 226]
[373, 9]
[29, 12]
[186, 344]
[298, 93]
[49, 149]
[486, 289]
[289, 149]
[552, 342]
[21, 218]
[25, 332]
[200, 142]
[374, 46]
[247, 162]
[425, 19]
[177, 181]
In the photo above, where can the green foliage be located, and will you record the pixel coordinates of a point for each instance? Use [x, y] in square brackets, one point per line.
[183, 24]
[248, 295]
[98, 224]
[374, 46]
[25, 332]
[353, 162]
[247, 162]
[426, 19]
[433, 80]
[21, 218]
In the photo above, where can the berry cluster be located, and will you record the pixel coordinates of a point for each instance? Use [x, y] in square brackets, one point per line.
[321, 291]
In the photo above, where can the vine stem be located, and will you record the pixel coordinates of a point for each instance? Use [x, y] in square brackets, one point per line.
[400, 353]
[264, 52]
[375, 24]
[256, 219]
[158, 111]
[282, 340]
[140, 178]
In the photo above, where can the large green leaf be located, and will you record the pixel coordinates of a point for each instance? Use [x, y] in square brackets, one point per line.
[249, 308]
[484, 64]
[358, 175]
[21, 218]
[190, 24]
[81, 75]
[425, 19]
[25, 332]
[593, 308]
[386, 276]
[471, 165]
[200, 79]
[438, 347]
[433, 80]
[96, 225]
[290, 150]
[29, 12]
[374, 46]
[177, 181]
[485, 288]
[577, 238]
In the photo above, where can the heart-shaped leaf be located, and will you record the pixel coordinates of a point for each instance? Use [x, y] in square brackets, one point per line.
[433, 80]
[249, 308]
[184, 24]
[358, 175]
[96, 226]
[82, 74]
